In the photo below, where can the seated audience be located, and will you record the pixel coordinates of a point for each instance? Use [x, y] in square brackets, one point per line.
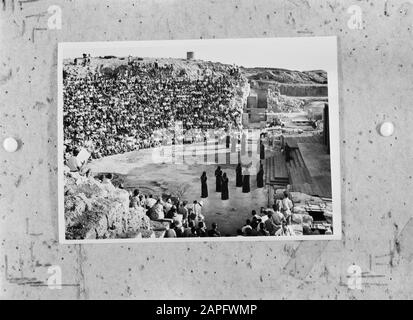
[179, 229]
[150, 202]
[214, 231]
[170, 232]
[255, 215]
[246, 226]
[262, 231]
[157, 211]
[133, 107]
[202, 230]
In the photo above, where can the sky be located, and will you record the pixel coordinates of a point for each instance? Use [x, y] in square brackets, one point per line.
[300, 53]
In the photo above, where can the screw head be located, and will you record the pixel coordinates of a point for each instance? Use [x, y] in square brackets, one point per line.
[10, 144]
[386, 129]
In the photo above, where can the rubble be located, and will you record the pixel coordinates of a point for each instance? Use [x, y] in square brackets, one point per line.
[281, 103]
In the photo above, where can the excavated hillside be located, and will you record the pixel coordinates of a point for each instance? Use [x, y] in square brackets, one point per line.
[289, 90]
[194, 69]
[286, 76]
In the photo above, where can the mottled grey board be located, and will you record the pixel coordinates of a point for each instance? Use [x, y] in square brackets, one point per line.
[375, 84]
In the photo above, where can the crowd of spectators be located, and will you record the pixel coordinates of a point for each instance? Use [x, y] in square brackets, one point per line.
[181, 219]
[185, 219]
[274, 221]
[280, 220]
[133, 107]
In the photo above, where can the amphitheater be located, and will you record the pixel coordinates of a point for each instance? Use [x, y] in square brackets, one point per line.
[288, 110]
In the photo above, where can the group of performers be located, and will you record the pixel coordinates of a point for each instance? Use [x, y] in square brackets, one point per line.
[221, 181]
[242, 180]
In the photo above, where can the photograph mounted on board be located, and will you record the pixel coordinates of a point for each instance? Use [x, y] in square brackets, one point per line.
[199, 140]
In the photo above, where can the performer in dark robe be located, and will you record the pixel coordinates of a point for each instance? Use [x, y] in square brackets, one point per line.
[262, 151]
[246, 182]
[204, 186]
[218, 177]
[225, 191]
[260, 177]
[238, 171]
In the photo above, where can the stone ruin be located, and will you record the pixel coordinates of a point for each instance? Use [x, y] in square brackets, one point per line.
[101, 211]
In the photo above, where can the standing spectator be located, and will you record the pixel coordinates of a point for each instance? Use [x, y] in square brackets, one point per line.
[134, 199]
[197, 207]
[286, 207]
[197, 215]
[183, 210]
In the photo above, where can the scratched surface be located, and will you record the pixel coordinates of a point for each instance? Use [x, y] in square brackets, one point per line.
[375, 84]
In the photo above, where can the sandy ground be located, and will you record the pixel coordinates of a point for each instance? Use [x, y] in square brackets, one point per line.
[145, 170]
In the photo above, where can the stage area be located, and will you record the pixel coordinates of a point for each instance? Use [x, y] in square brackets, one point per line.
[137, 170]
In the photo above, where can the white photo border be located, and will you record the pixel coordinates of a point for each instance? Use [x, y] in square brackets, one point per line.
[333, 101]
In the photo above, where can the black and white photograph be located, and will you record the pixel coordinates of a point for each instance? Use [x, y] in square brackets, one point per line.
[199, 140]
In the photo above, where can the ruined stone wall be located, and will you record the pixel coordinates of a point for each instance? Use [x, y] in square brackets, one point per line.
[294, 90]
